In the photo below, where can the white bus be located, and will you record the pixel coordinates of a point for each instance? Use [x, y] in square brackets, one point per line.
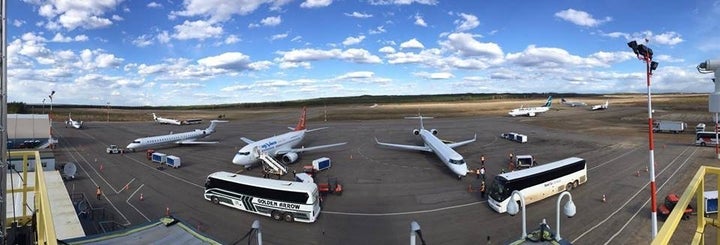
[278, 199]
[538, 182]
[705, 138]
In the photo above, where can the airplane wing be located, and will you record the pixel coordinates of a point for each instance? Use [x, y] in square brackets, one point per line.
[312, 148]
[192, 142]
[453, 145]
[246, 140]
[315, 129]
[406, 147]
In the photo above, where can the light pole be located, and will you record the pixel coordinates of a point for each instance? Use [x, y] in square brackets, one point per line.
[51, 102]
[43, 107]
[568, 209]
[512, 209]
[415, 231]
[645, 54]
[108, 111]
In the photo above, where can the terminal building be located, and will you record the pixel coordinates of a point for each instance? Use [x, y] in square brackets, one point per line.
[29, 131]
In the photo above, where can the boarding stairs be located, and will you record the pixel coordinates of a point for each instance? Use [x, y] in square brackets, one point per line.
[272, 165]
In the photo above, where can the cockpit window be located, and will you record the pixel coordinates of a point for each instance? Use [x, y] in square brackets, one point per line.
[136, 141]
[244, 153]
[457, 162]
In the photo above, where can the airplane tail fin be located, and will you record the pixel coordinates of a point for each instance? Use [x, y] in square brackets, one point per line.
[562, 100]
[154, 117]
[422, 126]
[69, 116]
[548, 103]
[213, 123]
[303, 117]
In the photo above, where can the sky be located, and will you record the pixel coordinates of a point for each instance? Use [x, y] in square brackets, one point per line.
[203, 52]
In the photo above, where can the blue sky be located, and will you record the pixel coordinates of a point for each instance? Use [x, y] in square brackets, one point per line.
[192, 52]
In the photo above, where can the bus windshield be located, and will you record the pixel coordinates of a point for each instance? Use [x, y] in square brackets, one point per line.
[498, 191]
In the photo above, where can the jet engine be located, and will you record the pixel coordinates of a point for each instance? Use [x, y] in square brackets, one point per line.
[433, 131]
[416, 132]
[290, 157]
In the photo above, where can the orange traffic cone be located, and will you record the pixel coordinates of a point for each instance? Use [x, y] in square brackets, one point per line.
[127, 186]
[603, 199]
[350, 156]
[141, 197]
[637, 173]
[167, 211]
[101, 167]
[646, 168]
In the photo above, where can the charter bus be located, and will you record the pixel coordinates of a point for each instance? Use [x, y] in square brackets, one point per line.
[278, 199]
[705, 138]
[538, 182]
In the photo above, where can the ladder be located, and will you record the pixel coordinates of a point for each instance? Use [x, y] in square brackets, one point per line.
[271, 165]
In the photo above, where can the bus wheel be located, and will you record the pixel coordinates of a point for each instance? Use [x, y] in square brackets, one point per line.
[276, 215]
[215, 200]
[575, 184]
[288, 217]
[702, 143]
[569, 187]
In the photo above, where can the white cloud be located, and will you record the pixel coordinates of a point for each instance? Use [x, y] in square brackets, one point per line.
[18, 23]
[420, 21]
[617, 35]
[427, 56]
[468, 46]
[377, 30]
[353, 40]
[434, 76]
[580, 18]
[316, 3]
[667, 58]
[301, 57]
[63, 39]
[143, 41]
[229, 60]
[163, 37]
[260, 65]
[402, 2]
[387, 50]
[412, 43]
[278, 36]
[544, 57]
[468, 22]
[75, 14]
[154, 5]
[117, 18]
[359, 15]
[222, 10]
[356, 75]
[271, 21]
[667, 38]
[232, 39]
[196, 30]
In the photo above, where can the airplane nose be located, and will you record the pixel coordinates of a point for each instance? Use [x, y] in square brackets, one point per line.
[237, 159]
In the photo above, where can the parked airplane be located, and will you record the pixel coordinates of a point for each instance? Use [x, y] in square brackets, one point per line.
[601, 106]
[453, 160]
[280, 145]
[532, 111]
[163, 120]
[74, 124]
[572, 103]
[186, 138]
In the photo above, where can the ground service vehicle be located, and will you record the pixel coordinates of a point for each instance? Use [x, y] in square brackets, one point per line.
[670, 201]
[278, 199]
[515, 137]
[332, 186]
[112, 149]
[538, 182]
[524, 161]
[669, 126]
[705, 138]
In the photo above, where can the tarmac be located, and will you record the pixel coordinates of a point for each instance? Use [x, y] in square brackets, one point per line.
[386, 189]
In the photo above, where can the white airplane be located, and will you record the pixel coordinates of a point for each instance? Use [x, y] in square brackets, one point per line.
[186, 138]
[453, 160]
[74, 124]
[280, 145]
[572, 103]
[163, 120]
[601, 106]
[532, 111]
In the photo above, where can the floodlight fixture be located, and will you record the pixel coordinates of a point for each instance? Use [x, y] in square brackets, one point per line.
[654, 65]
[634, 46]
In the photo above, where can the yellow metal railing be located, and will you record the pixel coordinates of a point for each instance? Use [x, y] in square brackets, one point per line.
[44, 222]
[696, 188]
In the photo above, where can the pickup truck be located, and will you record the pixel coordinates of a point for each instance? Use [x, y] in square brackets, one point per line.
[113, 149]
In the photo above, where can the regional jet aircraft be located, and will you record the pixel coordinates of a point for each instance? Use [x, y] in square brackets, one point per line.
[74, 124]
[277, 146]
[601, 106]
[532, 111]
[186, 138]
[453, 160]
[572, 103]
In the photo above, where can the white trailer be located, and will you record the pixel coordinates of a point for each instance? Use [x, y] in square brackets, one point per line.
[515, 137]
[670, 126]
[159, 157]
[173, 161]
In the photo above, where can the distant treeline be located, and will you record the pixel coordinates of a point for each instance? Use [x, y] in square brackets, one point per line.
[21, 107]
